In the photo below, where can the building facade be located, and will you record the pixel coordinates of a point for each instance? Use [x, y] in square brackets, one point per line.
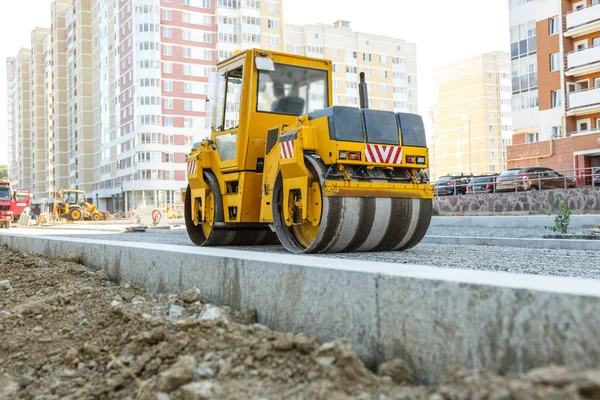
[471, 116]
[111, 97]
[19, 119]
[390, 65]
[555, 56]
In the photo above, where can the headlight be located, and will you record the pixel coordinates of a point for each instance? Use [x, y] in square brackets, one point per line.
[420, 160]
[343, 155]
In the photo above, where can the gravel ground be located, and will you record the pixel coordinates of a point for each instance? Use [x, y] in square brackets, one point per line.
[568, 263]
[69, 334]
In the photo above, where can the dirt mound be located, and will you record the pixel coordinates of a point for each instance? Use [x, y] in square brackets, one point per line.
[69, 333]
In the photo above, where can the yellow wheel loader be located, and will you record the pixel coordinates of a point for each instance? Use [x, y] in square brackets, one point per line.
[73, 206]
[283, 165]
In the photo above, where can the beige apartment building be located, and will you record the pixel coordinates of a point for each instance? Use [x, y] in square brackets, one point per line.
[58, 129]
[39, 138]
[19, 119]
[389, 64]
[471, 116]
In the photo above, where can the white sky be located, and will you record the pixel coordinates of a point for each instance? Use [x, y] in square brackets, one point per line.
[444, 31]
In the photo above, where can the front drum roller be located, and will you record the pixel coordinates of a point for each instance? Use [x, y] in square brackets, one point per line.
[207, 234]
[351, 224]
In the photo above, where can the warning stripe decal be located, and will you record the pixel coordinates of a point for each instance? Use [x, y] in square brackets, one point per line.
[191, 170]
[381, 154]
[287, 149]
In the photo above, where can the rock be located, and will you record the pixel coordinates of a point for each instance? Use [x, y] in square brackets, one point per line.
[154, 336]
[505, 395]
[553, 376]
[365, 355]
[162, 396]
[204, 370]
[25, 380]
[6, 287]
[4, 314]
[192, 296]
[114, 304]
[138, 300]
[127, 360]
[176, 311]
[126, 293]
[212, 313]
[91, 349]
[118, 298]
[325, 360]
[284, 342]
[200, 391]
[287, 373]
[179, 374]
[71, 355]
[305, 344]
[398, 370]
[247, 316]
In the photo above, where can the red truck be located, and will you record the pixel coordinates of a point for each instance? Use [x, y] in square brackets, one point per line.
[6, 205]
[21, 201]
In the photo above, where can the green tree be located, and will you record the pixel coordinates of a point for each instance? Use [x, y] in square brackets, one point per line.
[3, 172]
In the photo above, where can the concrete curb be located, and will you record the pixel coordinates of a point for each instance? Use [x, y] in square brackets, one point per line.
[436, 319]
[554, 244]
[520, 221]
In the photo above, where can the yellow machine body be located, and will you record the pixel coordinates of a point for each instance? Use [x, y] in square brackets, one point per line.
[287, 169]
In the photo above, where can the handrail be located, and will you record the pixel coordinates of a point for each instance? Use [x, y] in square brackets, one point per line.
[578, 177]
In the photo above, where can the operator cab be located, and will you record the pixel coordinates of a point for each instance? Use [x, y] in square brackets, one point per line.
[273, 89]
[74, 198]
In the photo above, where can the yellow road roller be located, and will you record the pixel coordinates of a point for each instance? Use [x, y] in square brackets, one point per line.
[284, 165]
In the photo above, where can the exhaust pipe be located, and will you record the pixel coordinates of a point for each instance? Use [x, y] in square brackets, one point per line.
[362, 92]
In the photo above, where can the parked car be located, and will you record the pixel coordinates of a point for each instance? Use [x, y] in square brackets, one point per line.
[532, 178]
[596, 175]
[482, 184]
[452, 185]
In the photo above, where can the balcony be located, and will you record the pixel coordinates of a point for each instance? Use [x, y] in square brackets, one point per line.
[584, 102]
[583, 62]
[582, 22]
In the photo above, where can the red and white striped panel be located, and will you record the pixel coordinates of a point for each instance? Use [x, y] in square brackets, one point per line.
[287, 149]
[191, 169]
[378, 153]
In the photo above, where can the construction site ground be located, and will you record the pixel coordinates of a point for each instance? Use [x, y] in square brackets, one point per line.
[68, 332]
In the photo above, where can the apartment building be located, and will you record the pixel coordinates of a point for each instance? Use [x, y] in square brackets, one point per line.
[555, 56]
[389, 64]
[39, 138]
[19, 119]
[152, 93]
[471, 116]
[118, 93]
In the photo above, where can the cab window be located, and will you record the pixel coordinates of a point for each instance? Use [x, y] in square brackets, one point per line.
[292, 90]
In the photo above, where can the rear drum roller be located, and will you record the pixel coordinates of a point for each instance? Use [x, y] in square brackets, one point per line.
[350, 224]
[205, 233]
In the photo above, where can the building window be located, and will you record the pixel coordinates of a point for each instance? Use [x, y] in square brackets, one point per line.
[556, 98]
[383, 74]
[167, 50]
[273, 41]
[187, 105]
[532, 137]
[556, 132]
[272, 24]
[185, 2]
[492, 155]
[168, 104]
[490, 128]
[553, 26]
[186, 35]
[384, 89]
[489, 76]
[187, 52]
[490, 102]
[166, 14]
[187, 70]
[366, 56]
[335, 52]
[555, 62]
[188, 123]
[274, 7]
[491, 142]
[168, 85]
[206, 38]
[205, 4]
[187, 87]
[169, 157]
[490, 116]
[186, 17]
[583, 126]
[492, 168]
[167, 32]
[169, 121]
[384, 104]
